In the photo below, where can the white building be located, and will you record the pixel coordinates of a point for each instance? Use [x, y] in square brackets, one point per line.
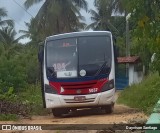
[134, 68]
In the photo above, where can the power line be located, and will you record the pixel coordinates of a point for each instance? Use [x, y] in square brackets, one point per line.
[23, 8]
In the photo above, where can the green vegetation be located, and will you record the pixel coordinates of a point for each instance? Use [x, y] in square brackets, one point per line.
[20, 92]
[143, 96]
[19, 68]
[102, 17]
[56, 16]
[25, 103]
[32, 97]
[5, 117]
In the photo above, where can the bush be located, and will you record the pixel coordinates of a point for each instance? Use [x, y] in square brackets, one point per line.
[12, 75]
[24, 103]
[8, 95]
[29, 61]
[19, 90]
[19, 70]
[32, 69]
[144, 95]
[8, 117]
[32, 96]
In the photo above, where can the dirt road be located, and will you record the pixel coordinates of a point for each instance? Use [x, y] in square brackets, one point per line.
[121, 114]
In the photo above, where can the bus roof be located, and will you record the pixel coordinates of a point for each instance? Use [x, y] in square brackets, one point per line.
[77, 34]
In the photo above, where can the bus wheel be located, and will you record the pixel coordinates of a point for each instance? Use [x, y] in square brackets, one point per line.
[60, 111]
[109, 108]
[57, 112]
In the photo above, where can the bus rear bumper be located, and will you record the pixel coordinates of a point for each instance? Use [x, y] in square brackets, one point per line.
[91, 100]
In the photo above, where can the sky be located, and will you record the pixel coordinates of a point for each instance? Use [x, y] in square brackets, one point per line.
[17, 12]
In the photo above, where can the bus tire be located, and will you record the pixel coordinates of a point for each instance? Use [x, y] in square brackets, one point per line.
[109, 109]
[57, 112]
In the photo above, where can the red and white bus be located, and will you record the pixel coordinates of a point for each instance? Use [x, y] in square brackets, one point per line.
[78, 71]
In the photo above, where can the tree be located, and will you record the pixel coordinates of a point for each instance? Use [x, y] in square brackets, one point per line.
[3, 13]
[58, 16]
[10, 43]
[146, 34]
[103, 18]
[26, 33]
[9, 34]
[7, 22]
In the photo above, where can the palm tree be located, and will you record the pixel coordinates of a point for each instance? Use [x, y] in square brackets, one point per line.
[10, 43]
[58, 16]
[102, 17]
[26, 33]
[9, 34]
[3, 13]
[32, 32]
[7, 22]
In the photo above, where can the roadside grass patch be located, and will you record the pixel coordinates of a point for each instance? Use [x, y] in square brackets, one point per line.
[157, 108]
[32, 97]
[22, 104]
[144, 95]
[8, 117]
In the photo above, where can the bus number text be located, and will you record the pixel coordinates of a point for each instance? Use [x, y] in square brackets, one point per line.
[93, 90]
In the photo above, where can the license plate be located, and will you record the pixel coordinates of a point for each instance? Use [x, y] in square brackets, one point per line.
[79, 98]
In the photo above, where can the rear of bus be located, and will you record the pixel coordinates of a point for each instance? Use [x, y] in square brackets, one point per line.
[78, 71]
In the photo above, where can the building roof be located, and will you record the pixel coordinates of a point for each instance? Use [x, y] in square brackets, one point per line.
[129, 59]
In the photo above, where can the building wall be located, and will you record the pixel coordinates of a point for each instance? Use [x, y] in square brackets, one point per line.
[131, 74]
[138, 76]
[134, 77]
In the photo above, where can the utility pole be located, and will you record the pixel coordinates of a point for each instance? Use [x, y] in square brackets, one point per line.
[127, 35]
[127, 43]
[127, 38]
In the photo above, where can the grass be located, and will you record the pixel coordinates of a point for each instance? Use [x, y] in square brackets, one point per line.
[144, 95]
[8, 117]
[33, 97]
